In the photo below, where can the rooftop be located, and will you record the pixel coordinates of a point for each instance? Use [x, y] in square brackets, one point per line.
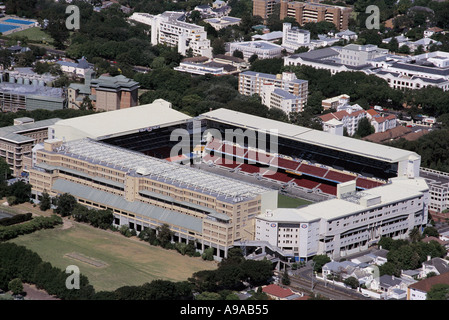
[138, 164]
[119, 122]
[13, 133]
[310, 136]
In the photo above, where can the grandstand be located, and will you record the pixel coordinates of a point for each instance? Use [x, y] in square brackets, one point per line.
[311, 160]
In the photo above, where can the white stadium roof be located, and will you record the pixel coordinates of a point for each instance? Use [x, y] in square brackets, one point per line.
[109, 124]
[311, 136]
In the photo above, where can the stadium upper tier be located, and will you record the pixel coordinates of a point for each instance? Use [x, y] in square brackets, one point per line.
[310, 136]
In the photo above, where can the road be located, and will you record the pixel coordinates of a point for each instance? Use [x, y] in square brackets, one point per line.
[301, 280]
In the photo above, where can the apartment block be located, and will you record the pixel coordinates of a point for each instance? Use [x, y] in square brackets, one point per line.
[305, 12]
[18, 140]
[281, 99]
[170, 28]
[251, 82]
[294, 37]
[264, 8]
[350, 223]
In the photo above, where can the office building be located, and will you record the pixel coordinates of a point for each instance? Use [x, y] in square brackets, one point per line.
[264, 8]
[351, 223]
[261, 48]
[170, 28]
[305, 12]
[17, 141]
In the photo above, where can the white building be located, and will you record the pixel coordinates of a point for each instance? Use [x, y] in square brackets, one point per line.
[273, 97]
[349, 118]
[223, 22]
[76, 68]
[251, 82]
[294, 37]
[169, 28]
[263, 49]
[350, 223]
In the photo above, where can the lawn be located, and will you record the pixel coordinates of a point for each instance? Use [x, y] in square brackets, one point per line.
[290, 202]
[34, 34]
[125, 261]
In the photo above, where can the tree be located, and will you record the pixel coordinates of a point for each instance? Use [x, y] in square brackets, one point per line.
[45, 202]
[15, 286]
[208, 254]
[238, 54]
[430, 232]
[438, 291]
[164, 234]
[65, 204]
[364, 128]
[253, 58]
[21, 191]
[415, 235]
[320, 260]
[285, 278]
[352, 282]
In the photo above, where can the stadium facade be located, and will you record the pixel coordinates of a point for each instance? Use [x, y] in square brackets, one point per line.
[131, 162]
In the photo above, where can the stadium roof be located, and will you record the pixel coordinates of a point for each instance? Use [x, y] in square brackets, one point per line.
[110, 124]
[311, 136]
[135, 163]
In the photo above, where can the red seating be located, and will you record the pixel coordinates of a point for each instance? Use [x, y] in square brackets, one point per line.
[305, 183]
[278, 176]
[366, 183]
[337, 176]
[328, 189]
[312, 170]
[249, 168]
[285, 163]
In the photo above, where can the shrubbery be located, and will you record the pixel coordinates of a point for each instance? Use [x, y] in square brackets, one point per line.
[12, 231]
[18, 218]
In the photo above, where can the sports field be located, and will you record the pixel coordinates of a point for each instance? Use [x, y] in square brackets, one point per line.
[109, 259]
[290, 202]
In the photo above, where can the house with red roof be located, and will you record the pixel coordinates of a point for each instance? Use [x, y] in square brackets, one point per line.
[277, 292]
[419, 290]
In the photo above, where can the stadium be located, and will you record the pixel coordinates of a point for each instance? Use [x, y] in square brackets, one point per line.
[207, 188]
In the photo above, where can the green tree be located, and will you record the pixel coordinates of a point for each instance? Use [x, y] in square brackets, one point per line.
[45, 203]
[15, 286]
[430, 232]
[65, 203]
[364, 128]
[164, 234]
[285, 278]
[320, 260]
[438, 292]
[208, 254]
[352, 282]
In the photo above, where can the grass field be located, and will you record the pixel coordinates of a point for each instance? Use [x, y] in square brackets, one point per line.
[290, 202]
[34, 34]
[128, 261]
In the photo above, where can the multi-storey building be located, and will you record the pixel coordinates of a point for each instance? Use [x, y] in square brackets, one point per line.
[145, 192]
[264, 8]
[350, 223]
[281, 99]
[294, 37]
[17, 141]
[169, 28]
[350, 120]
[106, 93]
[251, 82]
[305, 12]
[263, 49]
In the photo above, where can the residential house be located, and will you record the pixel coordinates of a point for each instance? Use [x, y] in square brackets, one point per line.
[350, 119]
[277, 292]
[435, 265]
[419, 290]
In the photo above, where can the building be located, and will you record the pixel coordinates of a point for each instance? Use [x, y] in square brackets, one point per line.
[431, 31]
[251, 82]
[276, 292]
[334, 102]
[169, 28]
[264, 8]
[305, 12]
[203, 68]
[273, 97]
[109, 167]
[350, 223]
[438, 182]
[263, 49]
[17, 141]
[294, 37]
[272, 37]
[419, 290]
[106, 93]
[349, 119]
[77, 69]
[223, 22]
